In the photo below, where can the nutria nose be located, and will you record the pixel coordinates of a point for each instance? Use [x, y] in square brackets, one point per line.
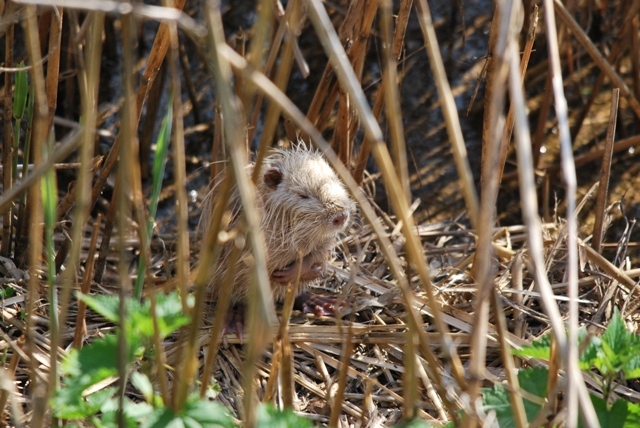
[340, 220]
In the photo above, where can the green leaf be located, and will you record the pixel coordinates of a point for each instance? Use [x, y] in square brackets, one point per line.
[170, 314]
[268, 416]
[539, 348]
[632, 368]
[622, 414]
[532, 380]
[616, 337]
[133, 413]
[105, 305]
[20, 93]
[69, 404]
[196, 413]
[140, 323]
[160, 160]
[143, 384]
[590, 355]
[96, 361]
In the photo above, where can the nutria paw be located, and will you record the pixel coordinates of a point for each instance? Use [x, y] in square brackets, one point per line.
[234, 321]
[313, 304]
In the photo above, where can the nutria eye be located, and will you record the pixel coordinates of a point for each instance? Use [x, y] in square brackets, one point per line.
[303, 196]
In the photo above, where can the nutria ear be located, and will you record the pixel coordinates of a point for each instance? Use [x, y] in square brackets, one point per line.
[272, 177]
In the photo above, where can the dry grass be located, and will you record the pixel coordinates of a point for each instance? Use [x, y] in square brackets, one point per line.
[430, 309]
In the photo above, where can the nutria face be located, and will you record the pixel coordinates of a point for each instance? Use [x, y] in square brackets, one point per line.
[303, 199]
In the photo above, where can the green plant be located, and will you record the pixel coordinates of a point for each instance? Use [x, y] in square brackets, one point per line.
[616, 355]
[159, 163]
[97, 362]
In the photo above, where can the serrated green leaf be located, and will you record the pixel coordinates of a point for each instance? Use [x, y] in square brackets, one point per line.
[616, 337]
[590, 354]
[170, 314]
[106, 305]
[622, 414]
[143, 384]
[95, 361]
[134, 412]
[69, 403]
[632, 368]
[532, 380]
[540, 348]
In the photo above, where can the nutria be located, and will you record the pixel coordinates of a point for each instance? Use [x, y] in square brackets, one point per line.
[304, 208]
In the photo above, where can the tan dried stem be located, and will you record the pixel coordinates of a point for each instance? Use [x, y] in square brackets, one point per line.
[532, 221]
[89, 82]
[506, 28]
[605, 173]
[40, 134]
[261, 311]
[179, 162]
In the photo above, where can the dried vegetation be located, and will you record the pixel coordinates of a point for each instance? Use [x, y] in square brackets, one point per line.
[430, 310]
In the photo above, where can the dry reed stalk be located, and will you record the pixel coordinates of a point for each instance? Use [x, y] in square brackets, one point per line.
[323, 95]
[524, 62]
[543, 115]
[182, 261]
[392, 95]
[9, 389]
[85, 287]
[354, 34]
[484, 270]
[89, 83]
[224, 296]
[596, 55]
[261, 310]
[109, 224]
[635, 47]
[281, 80]
[40, 392]
[286, 370]
[261, 34]
[127, 182]
[269, 89]
[396, 50]
[53, 63]
[217, 145]
[338, 399]
[271, 60]
[154, 61]
[487, 120]
[529, 204]
[450, 112]
[605, 173]
[576, 391]
[510, 369]
[334, 50]
[149, 123]
[409, 378]
[7, 144]
[186, 71]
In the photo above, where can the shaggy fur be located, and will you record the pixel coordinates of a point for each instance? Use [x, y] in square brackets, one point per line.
[303, 206]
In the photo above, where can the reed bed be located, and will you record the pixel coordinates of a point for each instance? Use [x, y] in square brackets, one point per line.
[481, 227]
